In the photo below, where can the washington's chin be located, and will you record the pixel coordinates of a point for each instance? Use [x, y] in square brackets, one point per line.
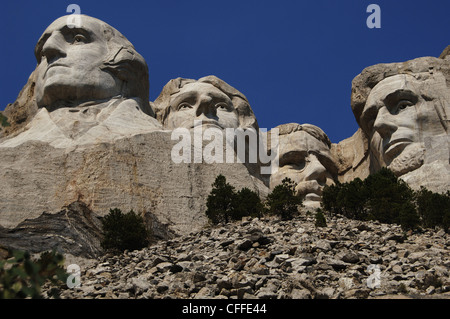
[53, 93]
[58, 83]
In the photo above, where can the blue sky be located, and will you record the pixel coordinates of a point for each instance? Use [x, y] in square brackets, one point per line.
[294, 60]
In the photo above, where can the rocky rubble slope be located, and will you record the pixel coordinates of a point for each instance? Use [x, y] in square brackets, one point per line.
[269, 258]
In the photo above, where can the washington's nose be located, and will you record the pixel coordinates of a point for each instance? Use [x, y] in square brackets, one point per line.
[384, 123]
[315, 170]
[54, 47]
[206, 107]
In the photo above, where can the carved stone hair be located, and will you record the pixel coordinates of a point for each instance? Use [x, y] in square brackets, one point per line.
[127, 64]
[312, 130]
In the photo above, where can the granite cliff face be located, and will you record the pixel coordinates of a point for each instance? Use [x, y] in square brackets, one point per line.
[21, 111]
[83, 138]
[132, 173]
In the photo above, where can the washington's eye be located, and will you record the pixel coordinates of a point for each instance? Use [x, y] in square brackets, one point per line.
[42, 57]
[79, 38]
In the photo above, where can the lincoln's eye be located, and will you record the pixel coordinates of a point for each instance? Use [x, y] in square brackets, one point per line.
[400, 100]
[184, 106]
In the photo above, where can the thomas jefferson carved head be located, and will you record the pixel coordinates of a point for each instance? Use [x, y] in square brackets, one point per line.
[209, 99]
[93, 62]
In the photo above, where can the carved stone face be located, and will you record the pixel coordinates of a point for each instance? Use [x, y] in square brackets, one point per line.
[308, 162]
[69, 63]
[400, 113]
[201, 101]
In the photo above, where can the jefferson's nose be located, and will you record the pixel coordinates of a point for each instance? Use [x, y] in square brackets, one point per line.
[54, 47]
[315, 170]
[206, 107]
[384, 123]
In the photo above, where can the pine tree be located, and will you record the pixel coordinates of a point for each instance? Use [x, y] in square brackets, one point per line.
[246, 203]
[320, 219]
[433, 208]
[388, 196]
[220, 201]
[3, 120]
[408, 217]
[124, 231]
[351, 199]
[283, 201]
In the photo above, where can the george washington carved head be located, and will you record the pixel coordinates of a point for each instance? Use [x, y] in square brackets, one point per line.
[89, 62]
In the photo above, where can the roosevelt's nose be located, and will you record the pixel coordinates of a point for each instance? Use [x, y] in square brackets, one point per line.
[206, 107]
[315, 170]
[53, 48]
[384, 123]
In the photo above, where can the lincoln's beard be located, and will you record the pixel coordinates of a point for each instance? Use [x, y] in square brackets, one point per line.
[409, 160]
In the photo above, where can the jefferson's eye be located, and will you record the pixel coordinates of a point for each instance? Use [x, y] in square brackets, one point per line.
[79, 38]
[222, 106]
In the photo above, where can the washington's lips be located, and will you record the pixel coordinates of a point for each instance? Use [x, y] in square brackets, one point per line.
[54, 65]
[394, 146]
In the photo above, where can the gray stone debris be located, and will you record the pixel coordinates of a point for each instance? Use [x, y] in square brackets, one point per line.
[295, 260]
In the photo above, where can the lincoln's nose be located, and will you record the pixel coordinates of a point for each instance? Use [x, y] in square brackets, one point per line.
[384, 123]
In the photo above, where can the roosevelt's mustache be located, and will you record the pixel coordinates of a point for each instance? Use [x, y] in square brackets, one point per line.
[307, 187]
